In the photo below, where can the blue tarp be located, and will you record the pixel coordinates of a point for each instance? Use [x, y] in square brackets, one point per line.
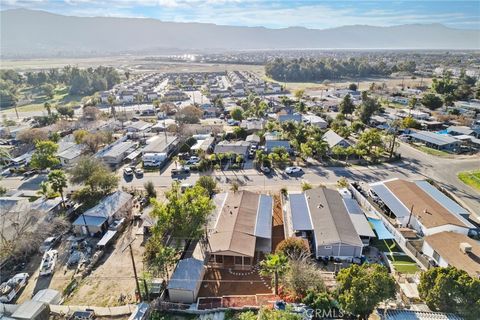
[380, 229]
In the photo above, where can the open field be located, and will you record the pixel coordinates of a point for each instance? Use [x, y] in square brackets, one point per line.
[38, 99]
[135, 63]
[471, 178]
[363, 83]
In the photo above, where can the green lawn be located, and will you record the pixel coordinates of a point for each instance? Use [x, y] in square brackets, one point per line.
[406, 268]
[434, 152]
[470, 178]
[403, 263]
[386, 245]
[60, 97]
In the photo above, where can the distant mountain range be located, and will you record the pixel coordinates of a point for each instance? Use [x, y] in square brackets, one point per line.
[27, 33]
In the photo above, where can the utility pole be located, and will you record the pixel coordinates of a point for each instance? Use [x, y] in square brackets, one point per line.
[86, 226]
[129, 245]
[410, 216]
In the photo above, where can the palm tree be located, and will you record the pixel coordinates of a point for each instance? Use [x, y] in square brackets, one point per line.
[44, 189]
[58, 181]
[48, 107]
[321, 148]
[111, 102]
[274, 264]
[234, 186]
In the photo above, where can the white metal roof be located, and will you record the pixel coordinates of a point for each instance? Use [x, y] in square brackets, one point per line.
[358, 218]
[187, 275]
[106, 238]
[263, 224]
[394, 204]
[301, 220]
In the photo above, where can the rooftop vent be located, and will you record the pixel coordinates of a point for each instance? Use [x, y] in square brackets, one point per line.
[465, 247]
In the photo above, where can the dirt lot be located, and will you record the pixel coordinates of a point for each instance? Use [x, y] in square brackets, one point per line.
[112, 277]
[222, 282]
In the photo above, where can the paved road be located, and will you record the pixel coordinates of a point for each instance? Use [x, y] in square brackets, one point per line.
[415, 165]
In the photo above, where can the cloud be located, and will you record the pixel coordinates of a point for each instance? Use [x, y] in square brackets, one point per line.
[280, 14]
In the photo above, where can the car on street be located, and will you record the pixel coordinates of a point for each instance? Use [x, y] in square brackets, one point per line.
[128, 172]
[265, 170]
[193, 160]
[139, 172]
[180, 170]
[293, 170]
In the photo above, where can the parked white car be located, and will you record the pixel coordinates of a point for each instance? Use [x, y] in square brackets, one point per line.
[48, 262]
[293, 170]
[128, 172]
[10, 288]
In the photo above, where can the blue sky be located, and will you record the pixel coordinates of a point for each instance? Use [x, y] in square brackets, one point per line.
[272, 14]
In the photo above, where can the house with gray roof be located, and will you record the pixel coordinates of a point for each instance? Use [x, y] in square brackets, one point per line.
[436, 141]
[270, 145]
[464, 130]
[235, 147]
[186, 280]
[321, 216]
[96, 220]
[116, 152]
[333, 140]
[289, 117]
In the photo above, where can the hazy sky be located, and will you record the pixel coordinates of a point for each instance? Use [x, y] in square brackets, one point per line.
[272, 14]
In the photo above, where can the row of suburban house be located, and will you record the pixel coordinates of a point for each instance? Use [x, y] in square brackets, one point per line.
[429, 215]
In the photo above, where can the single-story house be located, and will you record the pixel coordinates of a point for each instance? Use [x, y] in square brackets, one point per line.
[464, 130]
[270, 145]
[436, 140]
[204, 142]
[416, 114]
[71, 155]
[315, 120]
[418, 205]
[96, 220]
[252, 125]
[253, 139]
[454, 249]
[161, 144]
[295, 117]
[377, 120]
[115, 153]
[235, 147]
[239, 229]
[138, 126]
[334, 140]
[320, 215]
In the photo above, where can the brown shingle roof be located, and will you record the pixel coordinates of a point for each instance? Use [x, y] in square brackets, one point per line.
[235, 227]
[428, 211]
[447, 245]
